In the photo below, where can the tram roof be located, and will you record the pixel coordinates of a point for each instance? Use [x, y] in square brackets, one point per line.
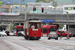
[35, 21]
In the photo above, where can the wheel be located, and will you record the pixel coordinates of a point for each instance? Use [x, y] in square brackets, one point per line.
[49, 38]
[56, 38]
[58, 35]
[26, 37]
[37, 38]
[66, 35]
[70, 36]
[19, 34]
[31, 38]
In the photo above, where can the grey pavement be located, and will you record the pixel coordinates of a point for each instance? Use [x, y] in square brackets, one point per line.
[19, 43]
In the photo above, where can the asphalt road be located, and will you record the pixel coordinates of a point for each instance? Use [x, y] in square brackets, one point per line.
[19, 43]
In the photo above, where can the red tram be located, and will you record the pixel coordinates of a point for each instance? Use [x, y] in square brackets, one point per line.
[32, 33]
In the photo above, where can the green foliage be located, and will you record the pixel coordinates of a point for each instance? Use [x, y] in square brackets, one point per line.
[61, 26]
[12, 27]
[15, 4]
[15, 24]
[0, 2]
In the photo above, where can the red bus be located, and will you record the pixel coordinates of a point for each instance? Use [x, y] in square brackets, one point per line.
[32, 33]
[45, 29]
[19, 28]
[52, 27]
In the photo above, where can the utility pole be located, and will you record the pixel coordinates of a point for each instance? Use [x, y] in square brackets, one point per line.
[20, 6]
[25, 10]
[68, 25]
[73, 1]
[20, 11]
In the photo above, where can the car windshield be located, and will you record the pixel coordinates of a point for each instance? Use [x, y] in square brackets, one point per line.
[60, 31]
[52, 32]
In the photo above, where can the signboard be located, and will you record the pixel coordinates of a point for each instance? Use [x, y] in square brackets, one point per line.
[16, 7]
[47, 20]
[25, 2]
[9, 13]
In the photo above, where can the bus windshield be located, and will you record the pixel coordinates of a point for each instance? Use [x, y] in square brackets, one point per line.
[52, 29]
[44, 30]
[19, 29]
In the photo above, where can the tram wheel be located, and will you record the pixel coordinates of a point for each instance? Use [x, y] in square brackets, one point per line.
[31, 38]
[38, 38]
[26, 37]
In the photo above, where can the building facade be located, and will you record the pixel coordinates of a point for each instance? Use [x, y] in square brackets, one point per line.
[5, 9]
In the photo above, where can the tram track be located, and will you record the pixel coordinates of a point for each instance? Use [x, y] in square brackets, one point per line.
[5, 45]
[25, 45]
[40, 44]
[49, 44]
[55, 44]
[36, 43]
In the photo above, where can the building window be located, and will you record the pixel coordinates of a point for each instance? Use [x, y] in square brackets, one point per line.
[73, 8]
[66, 8]
[5, 10]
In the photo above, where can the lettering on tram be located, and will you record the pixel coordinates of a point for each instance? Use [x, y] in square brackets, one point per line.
[32, 29]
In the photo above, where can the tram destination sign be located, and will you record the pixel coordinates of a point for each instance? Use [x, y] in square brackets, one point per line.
[47, 20]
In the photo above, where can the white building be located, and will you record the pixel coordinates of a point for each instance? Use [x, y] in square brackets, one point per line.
[67, 8]
[39, 6]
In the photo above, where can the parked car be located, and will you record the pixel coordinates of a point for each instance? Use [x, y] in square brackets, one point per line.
[7, 32]
[53, 35]
[64, 33]
[14, 32]
[3, 33]
[70, 34]
[21, 33]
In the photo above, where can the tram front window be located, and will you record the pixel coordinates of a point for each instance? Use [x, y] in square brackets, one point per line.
[34, 25]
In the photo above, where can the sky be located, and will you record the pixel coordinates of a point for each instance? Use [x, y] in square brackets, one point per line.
[58, 1]
[63, 1]
[17, 1]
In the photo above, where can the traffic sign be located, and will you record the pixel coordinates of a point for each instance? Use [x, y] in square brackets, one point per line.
[25, 2]
[28, 12]
[16, 7]
[47, 20]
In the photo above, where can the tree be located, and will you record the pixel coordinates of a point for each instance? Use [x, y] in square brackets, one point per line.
[0, 2]
[61, 26]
